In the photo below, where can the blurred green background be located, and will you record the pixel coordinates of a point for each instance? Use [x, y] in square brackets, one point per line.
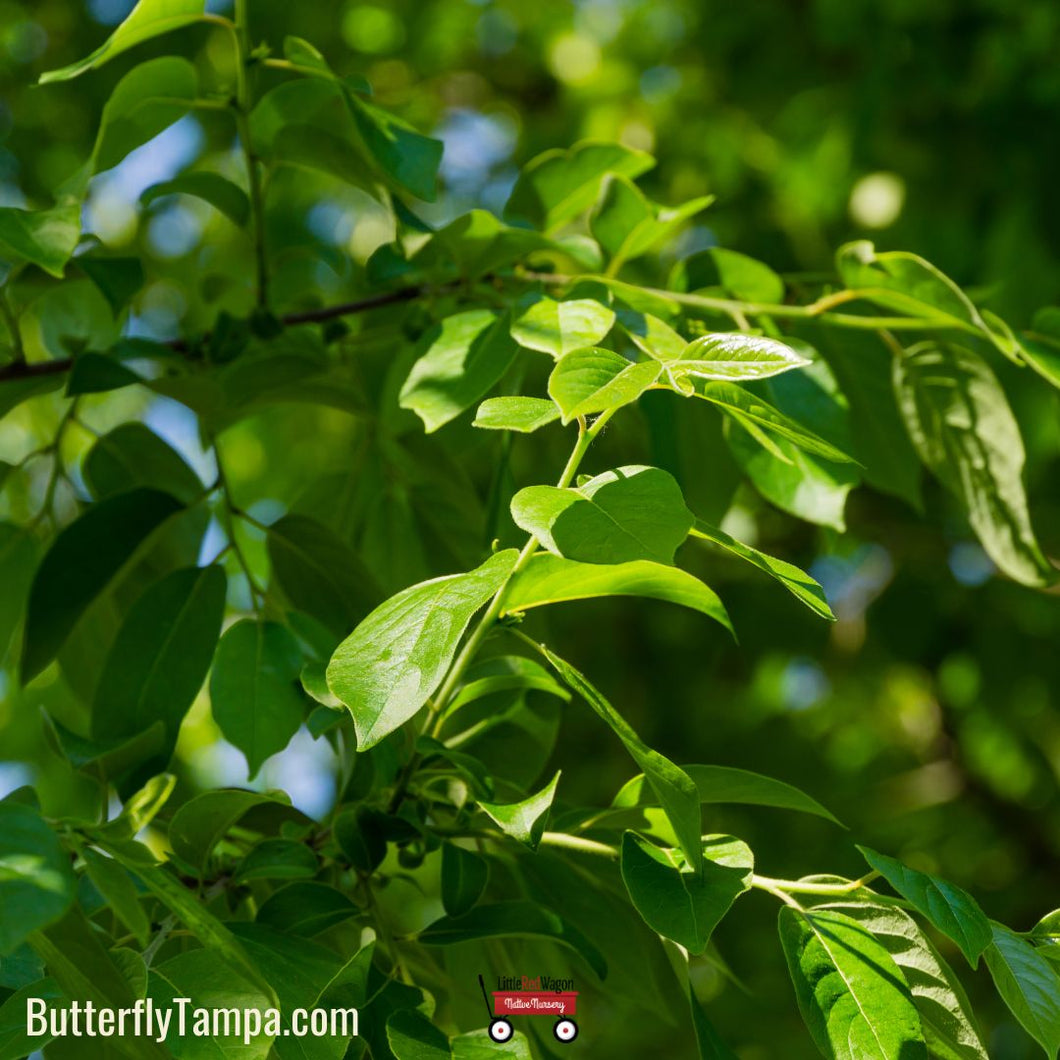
[926, 717]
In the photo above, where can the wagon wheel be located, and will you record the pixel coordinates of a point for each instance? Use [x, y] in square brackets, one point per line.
[565, 1030]
[500, 1030]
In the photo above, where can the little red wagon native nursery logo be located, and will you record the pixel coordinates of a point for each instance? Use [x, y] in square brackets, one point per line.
[524, 995]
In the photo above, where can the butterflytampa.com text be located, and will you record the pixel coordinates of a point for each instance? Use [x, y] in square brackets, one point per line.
[181, 1019]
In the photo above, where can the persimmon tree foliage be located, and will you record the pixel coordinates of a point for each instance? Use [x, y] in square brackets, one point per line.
[444, 698]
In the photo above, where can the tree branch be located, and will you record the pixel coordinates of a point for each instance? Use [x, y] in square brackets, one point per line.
[21, 370]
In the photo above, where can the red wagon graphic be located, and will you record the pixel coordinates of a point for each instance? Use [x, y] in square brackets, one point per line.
[562, 1004]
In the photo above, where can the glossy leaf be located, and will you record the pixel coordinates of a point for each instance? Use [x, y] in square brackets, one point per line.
[961, 424]
[950, 908]
[406, 159]
[218, 191]
[552, 580]
[594, 380]
[46, 238]
[513, 919]
[652, 336]
[904, 282]
[464, 878]
[464, 357]
[557, 186]
[254, 691]
[796, 581]
[150, 18]
[306, 908]
[632, 513]
[119, 279]
[558, 328]
[672, 786]
[36, 882]
[522, 414]
[392, 663]
[677, 901]
[161, 655]
[735, 357]
[724, 784]
[81, 562]
[853, 998]
[945, 1013]
[1029, 985]
[524, 820]
[478, 1046]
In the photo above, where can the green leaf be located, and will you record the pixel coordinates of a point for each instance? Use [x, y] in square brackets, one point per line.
[15, 1041]
[161, 655]
[677, 901]
[905, 282]
[945, 1014]
[464, 878]
[627, 514]
[724, 784]
[306, 908]
[851, 993]
[392, 663]
[796, 581]
[595, 380]
[148, 99]
[277, 859]
[464, 357]
[254, 691]
[524, 820]
[117, 888]
[119, 279]
[552, 580]
[734, 274]
[78, 961]
[710, 1043]
[522, 414]
[140, 809]
[790, 473]
[319, 573]
[515, 919]
[46, 238]
[210, 985]
[18, 561]
[218, 191]
[949, 907]
[558, 328]
[37, 885]
[961, 424]
[735, 357]
[652, 336]
[150, 18]
[627, 225]
[478, 1046]
[406, 159]
[80, 564]
[758, 416]
[412, 1036]
[557, 186]
[133, 455]
[672, 786]
[94, 373]
[202, 822]
[1029, 986]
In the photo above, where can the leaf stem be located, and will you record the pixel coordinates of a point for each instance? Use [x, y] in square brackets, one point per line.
[767, 883]
[257, 593]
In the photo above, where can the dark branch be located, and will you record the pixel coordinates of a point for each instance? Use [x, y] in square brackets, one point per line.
[21, 370]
